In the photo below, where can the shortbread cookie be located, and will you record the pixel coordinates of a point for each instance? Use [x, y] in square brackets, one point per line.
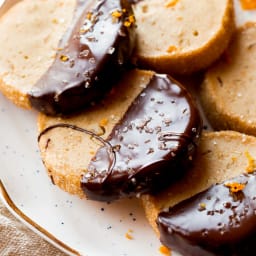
[64, 169]
[89, 52]
[177, 36]
[227, 93]
[94, 51]
[220, 156]
[132, 142]
[223, 223]
[30, 33]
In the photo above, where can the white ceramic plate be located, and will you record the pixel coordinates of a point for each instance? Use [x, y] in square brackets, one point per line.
[78, 227]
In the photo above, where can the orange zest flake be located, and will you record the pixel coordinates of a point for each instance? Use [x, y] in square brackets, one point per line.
[131, 18]
[172, 48]
[129, 21]
[248, 4]
[251, 163]
[116, 14]
[103, 122]
[89, 15]
[128, 234]
[171, 3]
[235, 187]
[127, 24]
[164, 250]
[64, 58]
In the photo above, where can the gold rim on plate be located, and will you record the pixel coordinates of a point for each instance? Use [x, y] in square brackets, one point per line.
[45, 234]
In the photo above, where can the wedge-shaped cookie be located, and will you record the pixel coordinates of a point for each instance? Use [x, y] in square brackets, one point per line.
[177, 36]
[88, 57]
[227, 93]
[221, 158]
[223, 220]
[140, 138]
[29, 33]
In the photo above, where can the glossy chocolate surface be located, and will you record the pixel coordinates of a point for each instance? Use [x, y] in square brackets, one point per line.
[134, 1]
[214, 222]
[92, 55]
[151, 145]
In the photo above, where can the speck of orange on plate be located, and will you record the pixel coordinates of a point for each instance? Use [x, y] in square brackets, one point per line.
[165, 251]
[248, 4]
[128, 234]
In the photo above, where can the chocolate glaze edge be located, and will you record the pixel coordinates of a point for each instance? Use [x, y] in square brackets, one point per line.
[90, 61]
[157, 175]
[224, 222]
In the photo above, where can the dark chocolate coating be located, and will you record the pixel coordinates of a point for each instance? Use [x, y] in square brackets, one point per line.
[214, 222]
[151, 145]
[93, 54]
[134, 1]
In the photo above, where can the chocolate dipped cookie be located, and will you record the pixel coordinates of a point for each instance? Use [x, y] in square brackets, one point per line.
[30, 32]
[224, 220]
[138, 139]
[210, 211]
[60, 56]
[91, 58]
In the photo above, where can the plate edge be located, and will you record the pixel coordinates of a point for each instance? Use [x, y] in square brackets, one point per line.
[32, 225]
